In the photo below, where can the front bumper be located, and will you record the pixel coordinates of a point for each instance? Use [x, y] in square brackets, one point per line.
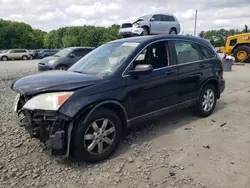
[129, 32]
[222, 85]
[49, 127]
[44, 67]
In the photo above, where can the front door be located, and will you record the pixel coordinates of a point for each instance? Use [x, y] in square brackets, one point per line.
[156, 90]
[155, 24]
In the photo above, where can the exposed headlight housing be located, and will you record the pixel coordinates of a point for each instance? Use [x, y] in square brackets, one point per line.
[47, 101]
[52, 61]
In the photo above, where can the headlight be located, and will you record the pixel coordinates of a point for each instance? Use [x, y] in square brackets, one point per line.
[52, 61]
[47, 101]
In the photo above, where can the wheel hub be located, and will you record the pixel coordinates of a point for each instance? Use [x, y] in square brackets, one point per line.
[208, 100]
[99, 136]
[241, 55]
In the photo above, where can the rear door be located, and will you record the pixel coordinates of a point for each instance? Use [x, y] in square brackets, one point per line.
[191, 69]
[168, 22]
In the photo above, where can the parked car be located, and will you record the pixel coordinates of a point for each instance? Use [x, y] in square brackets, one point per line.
[151, 24]
[35, 53]
[15, 54]
[84, 111]
[64, 58]
[47, 53]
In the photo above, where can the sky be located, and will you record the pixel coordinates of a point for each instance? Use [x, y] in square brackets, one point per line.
[53, 14]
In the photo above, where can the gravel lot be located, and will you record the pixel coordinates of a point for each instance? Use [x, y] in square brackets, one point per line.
[179, 150]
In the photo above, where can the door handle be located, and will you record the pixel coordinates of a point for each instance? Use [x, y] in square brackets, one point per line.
[170, 72]
[202, 65]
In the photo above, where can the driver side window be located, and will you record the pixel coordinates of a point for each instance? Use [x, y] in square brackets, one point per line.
[156, 54]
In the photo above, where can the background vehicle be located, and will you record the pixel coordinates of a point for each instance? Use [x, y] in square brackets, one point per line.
[46, 53]
[238, 46]
[64, 58]
[151, 24]
[15, 54]
[34, 53]
[83, 111]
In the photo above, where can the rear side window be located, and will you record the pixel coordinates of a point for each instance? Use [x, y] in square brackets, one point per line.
[80, 53]
[186, 52]
[207, 53]
[166, 18]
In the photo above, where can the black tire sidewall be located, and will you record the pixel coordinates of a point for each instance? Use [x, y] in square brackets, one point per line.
[171, 30]
[60, 67]
[79, 152]
[199, 110]
[24, 57]
[145, 31]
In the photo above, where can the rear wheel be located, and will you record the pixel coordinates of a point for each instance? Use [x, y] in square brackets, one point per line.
[173, 31]
[4, 58]
[97, 138]
[207, 101]
[242, 54]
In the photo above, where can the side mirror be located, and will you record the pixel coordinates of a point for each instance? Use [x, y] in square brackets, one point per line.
[152, 19]
[71, 55]
[141, 69]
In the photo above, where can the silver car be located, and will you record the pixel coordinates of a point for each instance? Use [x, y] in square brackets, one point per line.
[15, 54]
[151, 24]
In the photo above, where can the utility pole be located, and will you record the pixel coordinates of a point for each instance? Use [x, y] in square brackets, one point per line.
[195, 24]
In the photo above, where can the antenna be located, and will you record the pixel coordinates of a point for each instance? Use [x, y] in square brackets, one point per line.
[195, 25]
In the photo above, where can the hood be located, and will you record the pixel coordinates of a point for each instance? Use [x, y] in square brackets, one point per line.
[52, 81]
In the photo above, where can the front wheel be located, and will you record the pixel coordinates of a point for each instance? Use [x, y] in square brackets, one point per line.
[24, 57]
[173, 31]
[242, 54]
[98, 137]
[207, 101]
[62, 67]
[145, 31]
[4, 58]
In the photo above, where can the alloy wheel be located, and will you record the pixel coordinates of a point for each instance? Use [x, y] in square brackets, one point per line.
[208, 100]
[99, 136]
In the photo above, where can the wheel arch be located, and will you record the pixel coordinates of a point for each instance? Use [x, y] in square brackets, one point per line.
[113, 105]
[240, 44]
[214, 82]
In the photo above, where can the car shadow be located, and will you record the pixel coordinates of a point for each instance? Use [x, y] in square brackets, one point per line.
[150, 130]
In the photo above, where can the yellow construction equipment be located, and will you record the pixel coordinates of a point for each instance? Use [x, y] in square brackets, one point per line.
[238, 46]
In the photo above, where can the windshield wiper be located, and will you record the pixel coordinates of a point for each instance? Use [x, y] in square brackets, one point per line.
[80, 72]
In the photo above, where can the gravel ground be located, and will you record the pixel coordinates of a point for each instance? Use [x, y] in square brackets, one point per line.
[179, 150]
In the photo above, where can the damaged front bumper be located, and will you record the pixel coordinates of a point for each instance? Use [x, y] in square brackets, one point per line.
[130, 32]
[49, 127]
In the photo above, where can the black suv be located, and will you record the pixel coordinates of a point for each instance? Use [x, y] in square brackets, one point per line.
[64, 58]
[85, 110]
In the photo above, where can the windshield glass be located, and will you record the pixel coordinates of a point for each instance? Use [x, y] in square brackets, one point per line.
[63, 53]
[104, 60]
[146, 17]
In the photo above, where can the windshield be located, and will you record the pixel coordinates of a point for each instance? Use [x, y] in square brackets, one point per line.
[146, 17]
[104, 60]
[63, 53]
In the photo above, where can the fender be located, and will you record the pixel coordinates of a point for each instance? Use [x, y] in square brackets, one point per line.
[70, 127]
[208, 80]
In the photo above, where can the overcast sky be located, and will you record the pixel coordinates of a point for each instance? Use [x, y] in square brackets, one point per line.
[53, 14]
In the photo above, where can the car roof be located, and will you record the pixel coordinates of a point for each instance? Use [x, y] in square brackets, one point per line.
[148, 39]
[81, 47]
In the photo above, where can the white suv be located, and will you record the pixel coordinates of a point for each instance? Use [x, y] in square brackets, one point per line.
[151, 24]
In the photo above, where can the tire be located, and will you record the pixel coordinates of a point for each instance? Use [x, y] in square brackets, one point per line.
[145, 31]
[80, 145]
[242, 50]
[201, 109]
[24, 57]
[4, 58]
[62, 67]
[173, 31]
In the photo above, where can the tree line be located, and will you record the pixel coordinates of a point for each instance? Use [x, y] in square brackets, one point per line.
[21, 35]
